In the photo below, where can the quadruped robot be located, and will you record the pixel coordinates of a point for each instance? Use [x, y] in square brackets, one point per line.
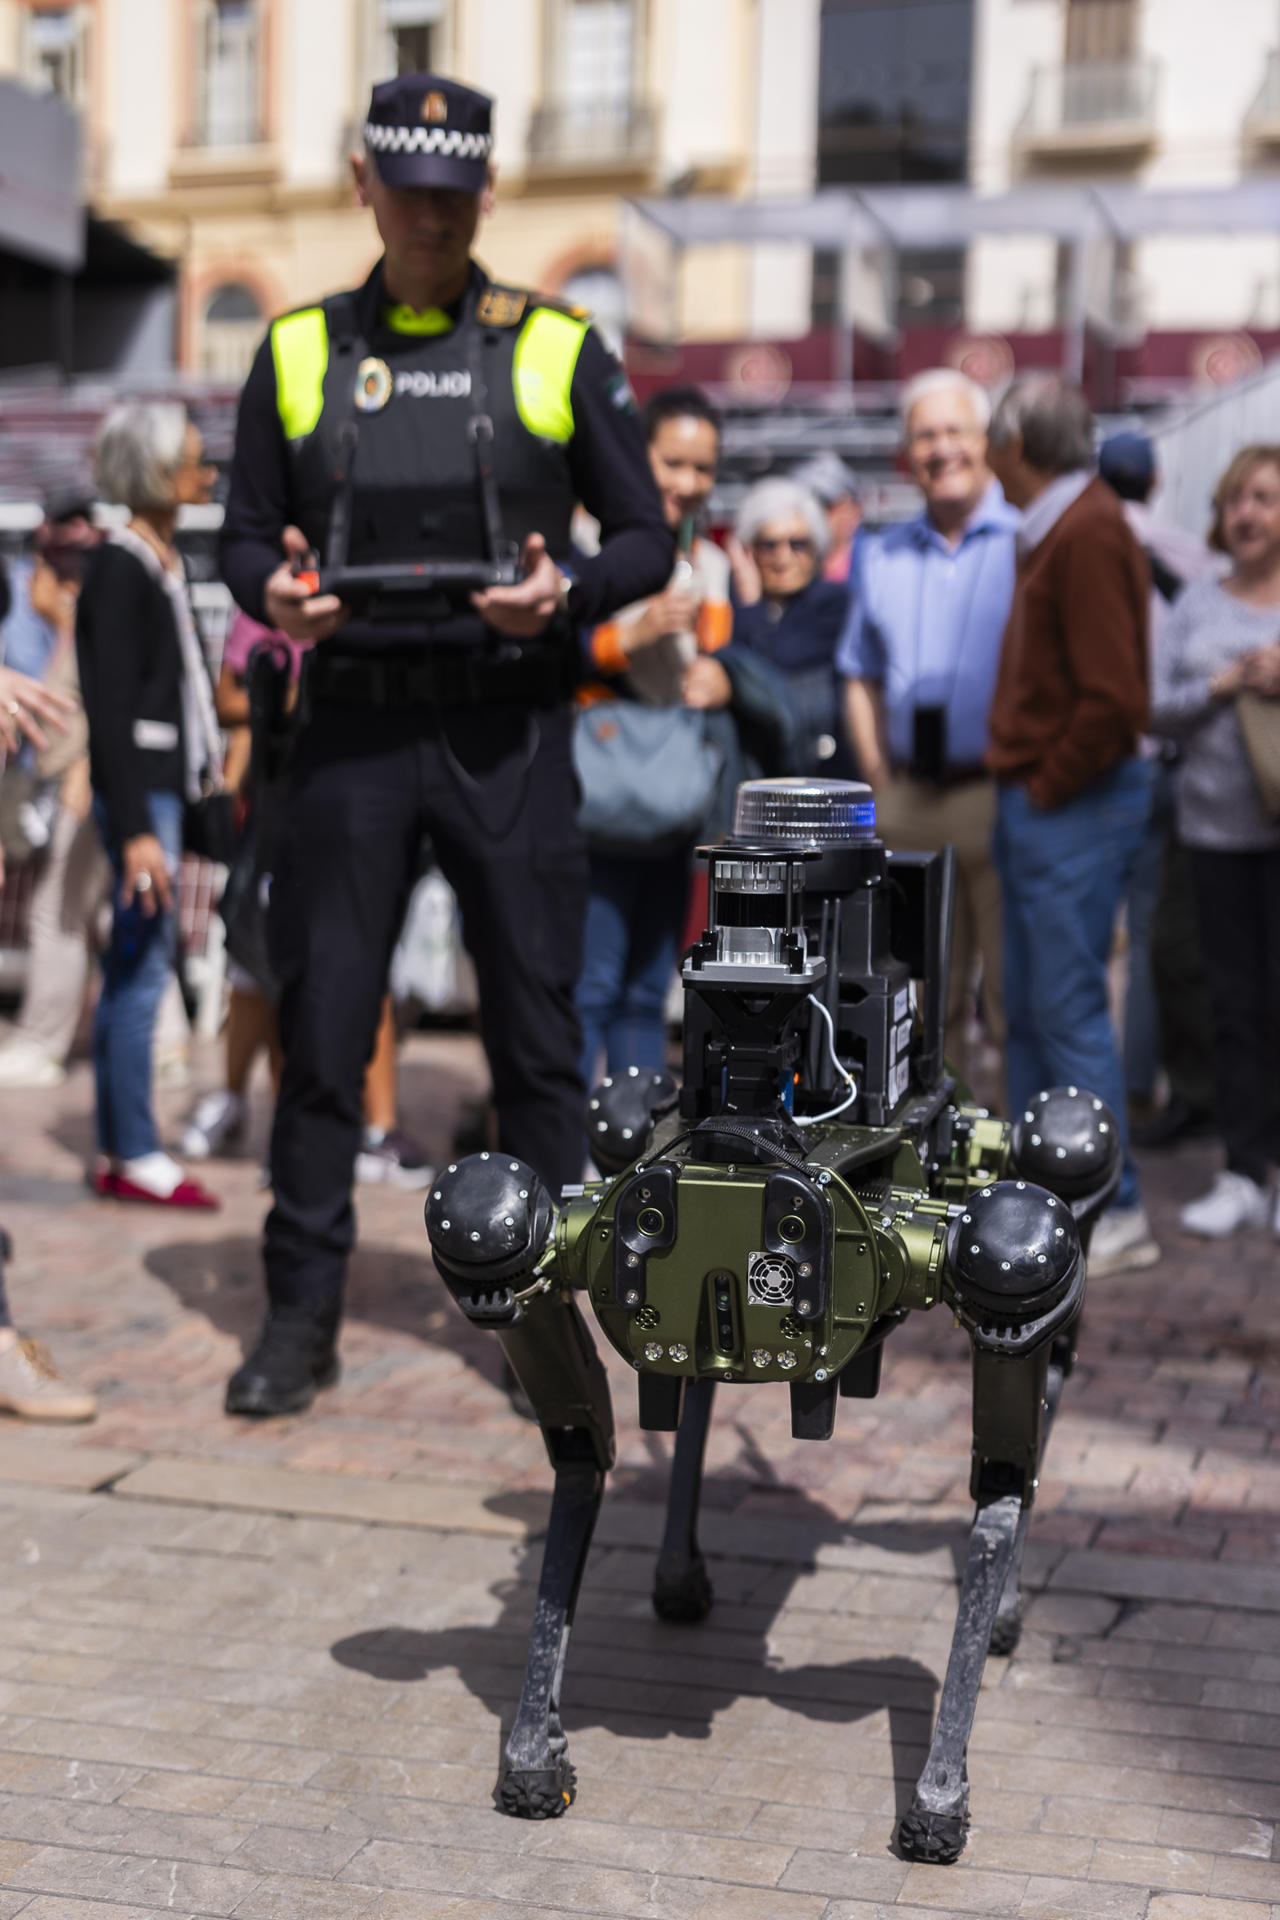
[818, 1176]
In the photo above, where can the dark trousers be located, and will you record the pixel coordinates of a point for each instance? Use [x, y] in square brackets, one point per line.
[1238, 896]
[496, 792]
[1181, 988]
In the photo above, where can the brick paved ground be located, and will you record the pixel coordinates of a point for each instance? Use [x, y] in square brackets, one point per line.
[260, 1670]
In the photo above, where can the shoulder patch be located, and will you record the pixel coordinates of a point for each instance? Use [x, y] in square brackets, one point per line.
[501, 306]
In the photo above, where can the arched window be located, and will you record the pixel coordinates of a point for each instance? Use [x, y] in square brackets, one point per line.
[231, 329]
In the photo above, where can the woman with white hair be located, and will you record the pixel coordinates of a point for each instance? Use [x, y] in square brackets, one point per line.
[153, 743]
[787, 613]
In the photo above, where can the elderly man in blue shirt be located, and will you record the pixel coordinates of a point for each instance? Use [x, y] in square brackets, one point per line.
[919, 655]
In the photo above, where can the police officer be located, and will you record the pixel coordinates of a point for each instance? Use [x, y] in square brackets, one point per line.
[429, 415]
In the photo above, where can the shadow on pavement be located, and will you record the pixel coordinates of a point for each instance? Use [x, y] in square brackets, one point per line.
[636, 1676]
[387, 1287]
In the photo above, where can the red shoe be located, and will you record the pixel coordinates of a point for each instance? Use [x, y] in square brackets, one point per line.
[187, 1193]
[103, 1182]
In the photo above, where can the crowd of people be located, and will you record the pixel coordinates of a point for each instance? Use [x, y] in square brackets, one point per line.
[1034, 669]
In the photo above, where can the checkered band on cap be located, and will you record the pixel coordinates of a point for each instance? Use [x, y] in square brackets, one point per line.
[464, 146]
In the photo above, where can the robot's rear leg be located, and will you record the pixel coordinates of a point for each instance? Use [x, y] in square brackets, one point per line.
[936, 1824]
[681, 1587]
[1007, 1631]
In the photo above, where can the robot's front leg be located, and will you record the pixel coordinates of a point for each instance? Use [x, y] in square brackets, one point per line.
[489, 1220]
[1016, 1279]
[935, 1826]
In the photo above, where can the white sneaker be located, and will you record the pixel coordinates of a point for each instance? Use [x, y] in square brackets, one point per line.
[1122, 1242]
[393, 1159]
[215, 1126]
[1232, 1202]
[24, 1063]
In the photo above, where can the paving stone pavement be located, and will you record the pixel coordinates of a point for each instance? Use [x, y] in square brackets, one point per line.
[261, 1670]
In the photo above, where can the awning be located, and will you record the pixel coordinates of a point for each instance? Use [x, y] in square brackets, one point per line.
[41, 216]
[908, 218]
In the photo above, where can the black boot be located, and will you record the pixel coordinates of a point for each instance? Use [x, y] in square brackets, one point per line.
[295, 1355]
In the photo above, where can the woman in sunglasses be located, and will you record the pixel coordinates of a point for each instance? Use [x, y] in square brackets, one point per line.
[785, 611]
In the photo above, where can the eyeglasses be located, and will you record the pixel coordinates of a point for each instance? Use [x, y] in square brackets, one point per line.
[923, 438]
[797, 545]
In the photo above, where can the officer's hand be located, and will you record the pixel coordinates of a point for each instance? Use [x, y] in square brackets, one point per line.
[291, 604]
[524, 610]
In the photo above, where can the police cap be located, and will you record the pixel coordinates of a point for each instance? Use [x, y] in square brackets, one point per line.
[424, 131]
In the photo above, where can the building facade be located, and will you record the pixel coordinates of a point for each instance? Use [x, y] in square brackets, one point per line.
[219, 132]
[1151, 93]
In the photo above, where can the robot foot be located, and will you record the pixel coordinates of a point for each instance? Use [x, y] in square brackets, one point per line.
[684, 1597]
[1007, 1631]
[937, 1839]
[537, 1793]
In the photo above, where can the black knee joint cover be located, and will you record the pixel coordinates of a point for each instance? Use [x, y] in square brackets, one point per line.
[489, 1219]
[621, 1113]
[1068, 1141]
[1016, 1272]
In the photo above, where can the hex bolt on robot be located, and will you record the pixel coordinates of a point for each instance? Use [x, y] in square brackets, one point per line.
[818, 1177]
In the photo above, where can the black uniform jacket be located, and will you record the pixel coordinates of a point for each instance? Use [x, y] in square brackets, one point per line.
[608, 463]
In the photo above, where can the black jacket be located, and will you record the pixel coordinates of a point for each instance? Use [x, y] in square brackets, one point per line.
[607, 460]
[131, 681]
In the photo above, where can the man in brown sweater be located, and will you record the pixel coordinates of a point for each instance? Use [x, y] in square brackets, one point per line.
[1069, 705]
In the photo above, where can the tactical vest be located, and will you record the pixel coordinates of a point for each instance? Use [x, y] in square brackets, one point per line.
[416, 491]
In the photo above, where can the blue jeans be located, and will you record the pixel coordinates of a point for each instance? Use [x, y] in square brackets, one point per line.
[1063, 874]
[135, 970]
[635, 915]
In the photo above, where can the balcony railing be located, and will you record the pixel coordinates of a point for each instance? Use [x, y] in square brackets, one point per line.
[590, 133]
[1262, 121]
[1091, 105]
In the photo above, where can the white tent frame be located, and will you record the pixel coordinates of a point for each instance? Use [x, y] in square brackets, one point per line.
[846, 220]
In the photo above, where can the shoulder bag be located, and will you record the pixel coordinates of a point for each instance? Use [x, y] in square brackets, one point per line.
[1260, 725]
[648, 776]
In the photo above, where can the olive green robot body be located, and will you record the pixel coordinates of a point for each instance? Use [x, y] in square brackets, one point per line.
[818, 1177]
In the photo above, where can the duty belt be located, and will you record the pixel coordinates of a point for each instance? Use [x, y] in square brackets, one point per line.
[446, 677]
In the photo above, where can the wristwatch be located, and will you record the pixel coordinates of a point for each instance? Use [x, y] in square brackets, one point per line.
[562, 597]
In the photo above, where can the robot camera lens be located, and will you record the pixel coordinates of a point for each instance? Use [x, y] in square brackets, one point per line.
[650, 1221]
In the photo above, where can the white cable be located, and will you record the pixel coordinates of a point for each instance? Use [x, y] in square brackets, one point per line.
[811, 1119]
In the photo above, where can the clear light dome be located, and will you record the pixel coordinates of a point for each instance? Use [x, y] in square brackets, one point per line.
[808, 813]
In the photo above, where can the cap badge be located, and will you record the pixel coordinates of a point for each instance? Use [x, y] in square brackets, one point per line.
[373, 385]
[435, 108]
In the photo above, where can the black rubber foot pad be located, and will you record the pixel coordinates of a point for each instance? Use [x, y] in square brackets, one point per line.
[686, 1600]
[1006, 1632]
[936, 1838]
[537, 1793]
